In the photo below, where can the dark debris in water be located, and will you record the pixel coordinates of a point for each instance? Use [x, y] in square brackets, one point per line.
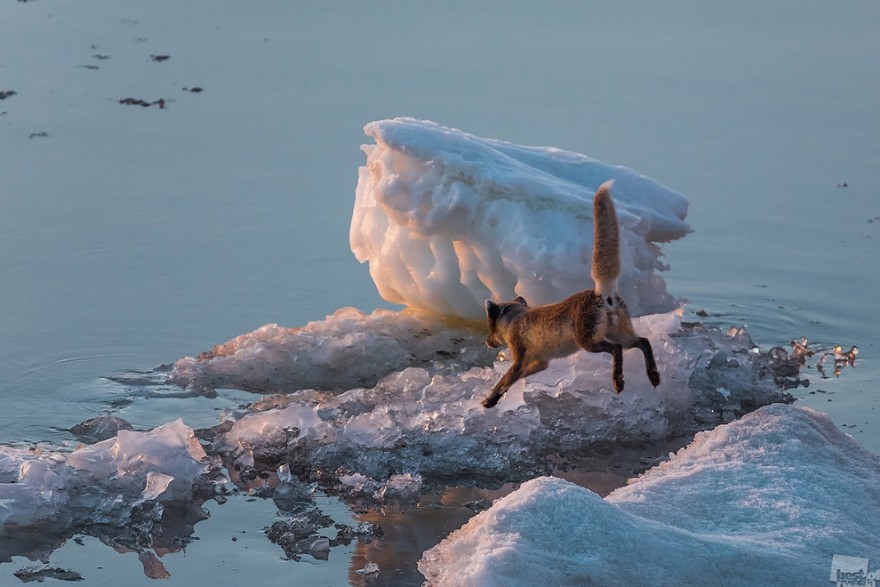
[7, 94]
[138, 102]
[41, 573]
[834, 357]
[97, 429]
[160, 58]
[298, 534]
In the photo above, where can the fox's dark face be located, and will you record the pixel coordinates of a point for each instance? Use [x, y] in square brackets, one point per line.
[498, 315]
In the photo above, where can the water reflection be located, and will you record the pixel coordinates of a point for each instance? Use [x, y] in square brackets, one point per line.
[152, 532]
[834, 357]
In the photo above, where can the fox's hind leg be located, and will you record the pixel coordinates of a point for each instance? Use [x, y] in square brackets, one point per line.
[644, 345]
[616, 350]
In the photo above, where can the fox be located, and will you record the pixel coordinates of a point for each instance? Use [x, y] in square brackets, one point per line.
[595, 320]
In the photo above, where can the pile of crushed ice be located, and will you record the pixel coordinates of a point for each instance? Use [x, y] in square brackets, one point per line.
[100, 483]
[766, 500]
[446, 219]
[347, 349]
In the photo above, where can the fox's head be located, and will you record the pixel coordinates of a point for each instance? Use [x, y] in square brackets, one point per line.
[499, 316]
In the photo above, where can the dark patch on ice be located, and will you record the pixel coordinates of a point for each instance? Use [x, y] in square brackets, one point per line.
[195, 90]
[160, 58]
[100, 57]
[7, 94]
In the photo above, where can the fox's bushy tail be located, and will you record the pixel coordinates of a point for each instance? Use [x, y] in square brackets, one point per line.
[606, 242]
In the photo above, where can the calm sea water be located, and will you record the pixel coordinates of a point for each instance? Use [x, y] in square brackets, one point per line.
[132, 236]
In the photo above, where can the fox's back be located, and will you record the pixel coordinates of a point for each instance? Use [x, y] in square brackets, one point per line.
[553, 330]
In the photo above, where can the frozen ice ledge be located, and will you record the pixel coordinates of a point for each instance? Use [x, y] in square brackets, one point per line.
[447, 219]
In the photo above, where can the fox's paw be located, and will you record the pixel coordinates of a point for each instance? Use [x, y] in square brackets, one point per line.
[490, 401]
[618, 384]
[654, 377]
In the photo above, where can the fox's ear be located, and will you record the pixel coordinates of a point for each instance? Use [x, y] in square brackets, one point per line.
[520, 300]
[491, 310]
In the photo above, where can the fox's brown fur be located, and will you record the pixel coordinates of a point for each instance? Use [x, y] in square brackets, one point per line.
[595, 320]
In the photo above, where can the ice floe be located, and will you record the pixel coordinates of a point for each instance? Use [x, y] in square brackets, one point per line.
[766, 500]
[432, 425]
[447, 219]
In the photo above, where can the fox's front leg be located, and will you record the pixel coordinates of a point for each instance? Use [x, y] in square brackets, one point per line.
[513, 374]
[516, 372]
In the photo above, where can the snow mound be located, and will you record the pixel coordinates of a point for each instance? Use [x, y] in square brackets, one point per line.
[766, 500]
[99, 483]
[446, 219]
[432, 424]
[346, 350]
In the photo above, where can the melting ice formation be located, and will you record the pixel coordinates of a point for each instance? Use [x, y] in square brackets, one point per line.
[766, 500]
[446, 219]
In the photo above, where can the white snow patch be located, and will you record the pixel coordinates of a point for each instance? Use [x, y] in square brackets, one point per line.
[766, 500]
